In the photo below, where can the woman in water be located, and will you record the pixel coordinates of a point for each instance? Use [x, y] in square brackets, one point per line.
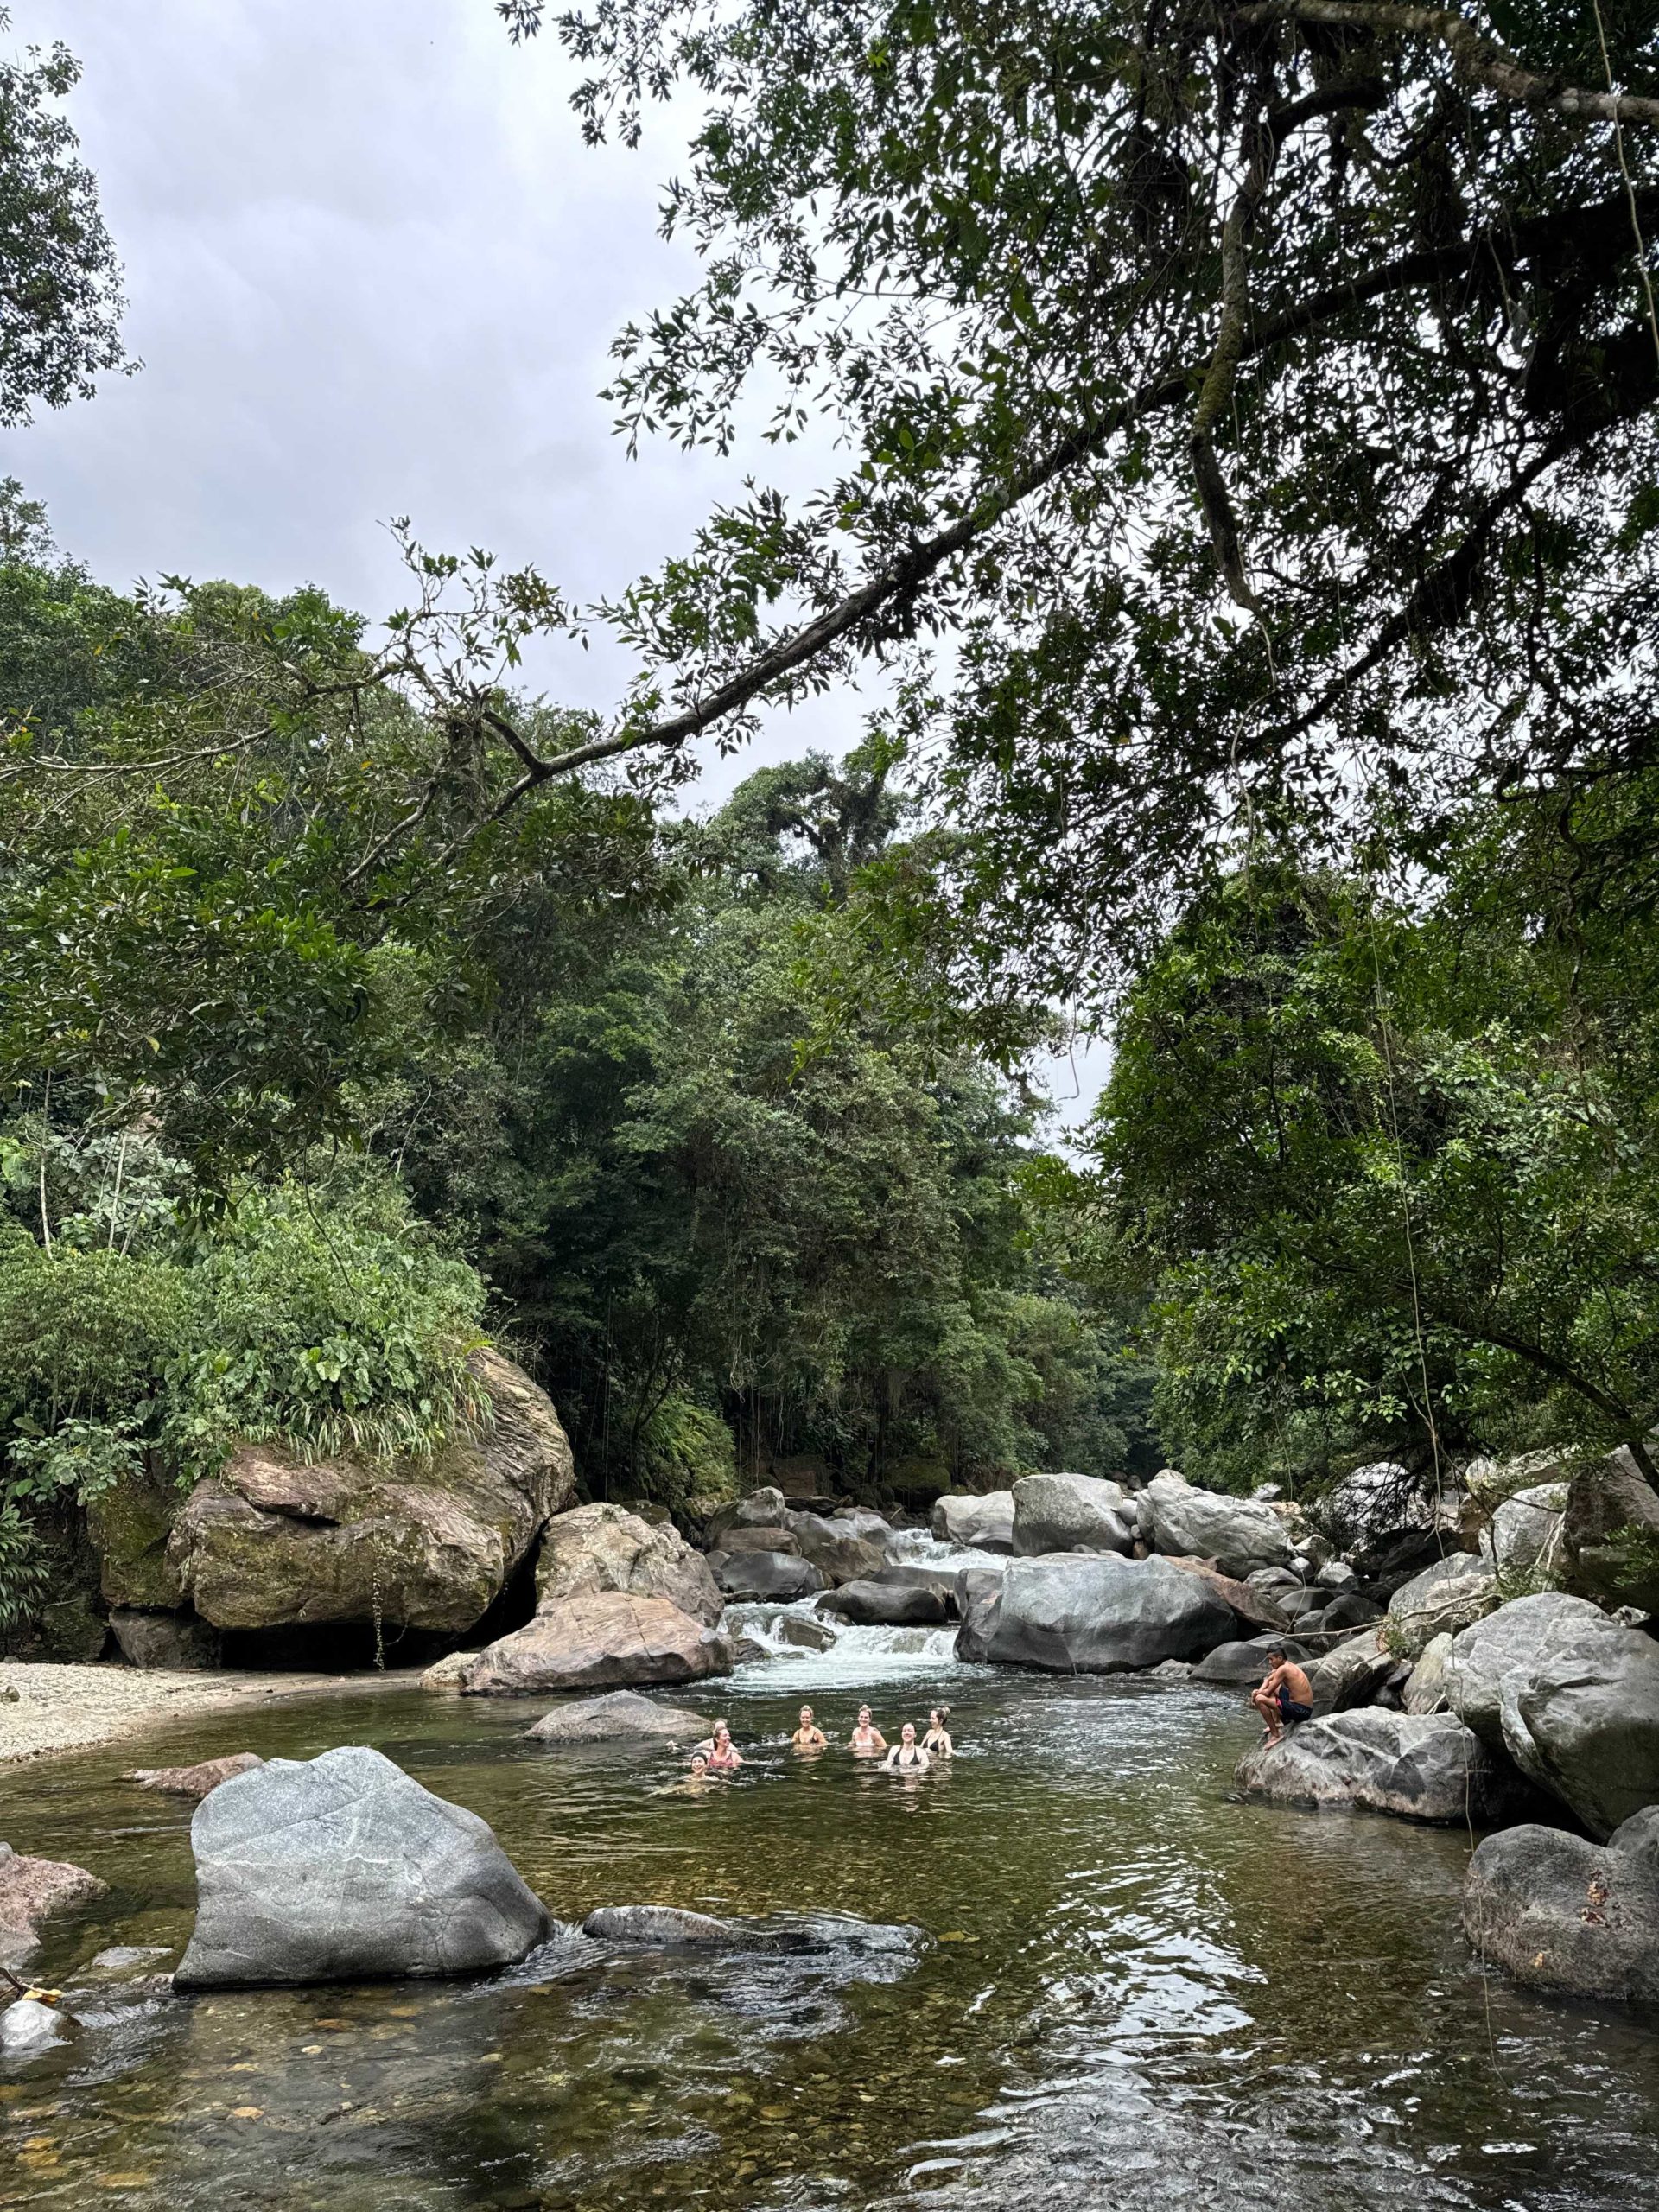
[907, 1755]
[936, 1743]
[865, 1737]
[808, 1737]
[725, 1758]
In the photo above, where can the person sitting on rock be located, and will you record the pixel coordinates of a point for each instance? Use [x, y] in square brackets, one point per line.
[865, 1737]
[936, 1743]
[808, 1737]
[907, 1755]
[1285, 1696]
[724, 1757]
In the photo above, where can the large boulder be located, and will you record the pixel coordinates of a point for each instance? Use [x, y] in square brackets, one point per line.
[129, 1523]
[174, 1641]
[841, 1553]
[979, 1521]
[1257, 1605]
[1425, 1691]
[606, 1548]
[1442, 1600]
[1351, 1673]
[979, 1601]
[344, 1868]
[601, 1639]
[766, 1508]
[1069, 1513]
[1427, 1768]
[1571, 1696]
[757, 1578]
[1238, 1665]
[274, 1541]
[1561, 1914]
[885, 1605]
[1103, 1614]
[741, 1538]
[30, 1891]
[1238, 1533]
[619, 1714]
[1522, 1541]
[1610, 1533]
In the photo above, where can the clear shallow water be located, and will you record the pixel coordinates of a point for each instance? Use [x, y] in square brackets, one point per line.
[1134, 1992]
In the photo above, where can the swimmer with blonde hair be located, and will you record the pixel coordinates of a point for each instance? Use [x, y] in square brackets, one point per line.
[865, 1737]
[808, 1737]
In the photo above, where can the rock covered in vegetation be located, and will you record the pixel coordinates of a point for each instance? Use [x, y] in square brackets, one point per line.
[1069, 1513]
[129, 1524]
[1103, 1614]
[1571, 1696]
[885, 1605]
[601, 1639]
[1559, 1913]
[1442, 1600]
[1610, 1533]
[1419, 1768]
[978, 1522]
[1238, 1533]
[194, 1781]
[618, 1714]
[178, 1640]
[345, 1868]
[607, 1548]
[758, 1576]
[271, 1541]
[31, 1890]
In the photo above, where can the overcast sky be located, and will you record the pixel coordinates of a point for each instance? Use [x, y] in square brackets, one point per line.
[373, 272]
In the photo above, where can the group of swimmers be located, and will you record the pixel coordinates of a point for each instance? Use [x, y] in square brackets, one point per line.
[718, 1754]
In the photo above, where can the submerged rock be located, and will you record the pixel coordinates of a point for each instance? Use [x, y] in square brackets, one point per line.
[194, 1781]
[885, 1605]
[607, 1548]
[670, 1928]
[1103, 1614]
[754, 1577]
[1430, 1769]
[1571, 1696]
[1069, 1513]
[345, 1868]
[980, 1521]
[665, 1925]
[272, 1540]
[29, 2025]
[599, 1640]
[31, 1890]
[1238, 1533]
[622, 1713]
[1558, 1913]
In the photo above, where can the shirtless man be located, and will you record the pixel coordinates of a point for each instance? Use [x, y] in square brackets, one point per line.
[1286, 1696]
[808, 1737]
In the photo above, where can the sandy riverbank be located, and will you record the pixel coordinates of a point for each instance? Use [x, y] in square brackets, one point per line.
[70, 1708]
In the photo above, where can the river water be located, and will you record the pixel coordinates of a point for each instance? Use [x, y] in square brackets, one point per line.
[1131, 1991]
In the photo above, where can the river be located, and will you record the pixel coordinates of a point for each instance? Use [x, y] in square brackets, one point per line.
[1134, 1992]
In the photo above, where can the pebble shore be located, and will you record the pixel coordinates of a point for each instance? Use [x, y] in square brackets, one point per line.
[68, 1708]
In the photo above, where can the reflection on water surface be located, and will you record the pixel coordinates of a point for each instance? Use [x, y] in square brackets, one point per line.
[1135, 1993]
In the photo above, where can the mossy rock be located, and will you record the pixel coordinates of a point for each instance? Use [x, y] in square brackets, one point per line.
[129, 1526]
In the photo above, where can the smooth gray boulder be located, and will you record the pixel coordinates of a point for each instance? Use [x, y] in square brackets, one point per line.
[885, 1604]
[665, 1925]
[29, 2025]
[1069, 1513]
[1080, 1613]
[805, 1634]
[979, 1600]
[755, 1577]
[745, 1539]
[1523, 1538]
[1238, 1533]
[1610, 1533]
[979, 1521]
[841, 1554]
[1347, 1610]
[1425, 1692]
[620, 1713]
[1561, 1914]
[1350, 1674]
[941, 1581]
[344, 1868]
[1442, 1600]
[1571, 1696]
[1429, 1768]
[598, 1640]
[1245, 1664]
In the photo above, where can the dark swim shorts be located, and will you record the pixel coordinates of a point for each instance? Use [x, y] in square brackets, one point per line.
[1288, 1708]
